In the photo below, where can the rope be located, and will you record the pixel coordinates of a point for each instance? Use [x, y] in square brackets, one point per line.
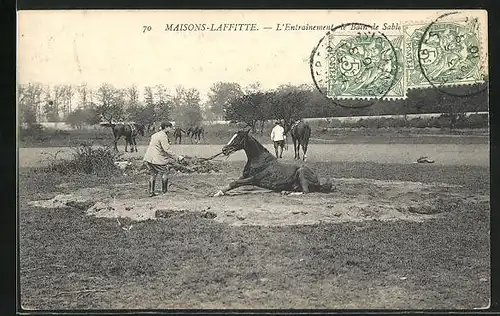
[211, 157]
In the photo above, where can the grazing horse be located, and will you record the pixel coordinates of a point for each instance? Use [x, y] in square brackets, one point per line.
[129, 130]
[300, 132]
[264, 170]
[195, 133]
[178, 134]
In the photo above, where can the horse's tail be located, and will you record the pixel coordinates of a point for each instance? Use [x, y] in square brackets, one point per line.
[307, 130]
[327, 186]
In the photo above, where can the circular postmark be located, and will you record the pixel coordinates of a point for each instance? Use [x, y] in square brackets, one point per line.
[448, 54]
[355, 62]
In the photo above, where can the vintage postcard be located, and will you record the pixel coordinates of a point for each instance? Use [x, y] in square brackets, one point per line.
[253, 159]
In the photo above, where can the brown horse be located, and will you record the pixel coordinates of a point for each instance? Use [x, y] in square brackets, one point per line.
[300, 132]
[196, 133]
[128, 130]
[264, 170]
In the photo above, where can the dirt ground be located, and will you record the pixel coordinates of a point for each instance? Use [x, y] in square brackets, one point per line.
[393, 234]
[443, 154]
[354, 199]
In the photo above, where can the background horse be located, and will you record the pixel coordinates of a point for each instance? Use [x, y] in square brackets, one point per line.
[300, 132]
[178, 134]
[264, 170]
[129, 130]
[196, 133]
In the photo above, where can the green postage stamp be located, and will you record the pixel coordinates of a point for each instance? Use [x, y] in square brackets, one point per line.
[365, 65]
[361, 61]
[443, 53]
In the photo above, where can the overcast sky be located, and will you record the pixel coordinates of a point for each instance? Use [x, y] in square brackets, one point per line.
[72, 47]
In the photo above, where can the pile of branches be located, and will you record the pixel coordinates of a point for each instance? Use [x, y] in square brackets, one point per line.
[189, 164]
[194, 164]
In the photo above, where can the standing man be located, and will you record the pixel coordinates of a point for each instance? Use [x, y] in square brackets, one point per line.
[159, 158]
[278, 137]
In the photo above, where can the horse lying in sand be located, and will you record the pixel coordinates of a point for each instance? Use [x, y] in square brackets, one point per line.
[263, 169]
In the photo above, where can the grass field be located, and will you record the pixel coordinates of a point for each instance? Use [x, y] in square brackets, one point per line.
[220, 134]
[72, 260]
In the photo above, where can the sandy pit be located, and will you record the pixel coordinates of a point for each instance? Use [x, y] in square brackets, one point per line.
[353, 200]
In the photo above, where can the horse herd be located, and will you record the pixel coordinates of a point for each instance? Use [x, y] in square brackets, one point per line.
[300, 132]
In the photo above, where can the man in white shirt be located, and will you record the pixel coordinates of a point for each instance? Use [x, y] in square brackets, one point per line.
[159, 158]
[278, 137]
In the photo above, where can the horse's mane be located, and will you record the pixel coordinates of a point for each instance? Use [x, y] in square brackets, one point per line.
[259, 145]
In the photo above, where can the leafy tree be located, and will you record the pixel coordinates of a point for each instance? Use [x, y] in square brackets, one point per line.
[76, 118]
[29, 102]
[84, 95]
[163, 105]
[186, 103]
[220, 94]
[110, 102]
[142, 114]
[83, 116]
[249, 109]
[148, 96]
[287, 104]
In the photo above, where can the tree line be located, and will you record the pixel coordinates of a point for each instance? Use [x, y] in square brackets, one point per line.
[80, 105]
[289, 103]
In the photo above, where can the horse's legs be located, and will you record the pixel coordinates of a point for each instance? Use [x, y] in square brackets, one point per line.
[304, 148]
[135, 143]
[294, 147]
[115, 143]
[297, 148]
[235, 184]
[127, 141]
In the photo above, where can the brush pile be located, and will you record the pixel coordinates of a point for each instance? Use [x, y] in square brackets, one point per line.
[189, 164]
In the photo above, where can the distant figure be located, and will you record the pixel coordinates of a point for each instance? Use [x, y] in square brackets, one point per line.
[301, 132]
[196, 133]
[278, 137]
[159, 158]
[178, 134]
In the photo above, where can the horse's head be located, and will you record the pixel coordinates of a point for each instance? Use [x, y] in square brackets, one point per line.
[237, 142]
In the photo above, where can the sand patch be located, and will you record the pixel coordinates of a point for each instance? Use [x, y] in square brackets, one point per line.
[353, 200]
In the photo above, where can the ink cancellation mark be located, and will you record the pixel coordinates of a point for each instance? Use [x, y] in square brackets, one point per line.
[444, 53]
[353, 64]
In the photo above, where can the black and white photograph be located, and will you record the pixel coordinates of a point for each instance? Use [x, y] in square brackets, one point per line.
[253, 159]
